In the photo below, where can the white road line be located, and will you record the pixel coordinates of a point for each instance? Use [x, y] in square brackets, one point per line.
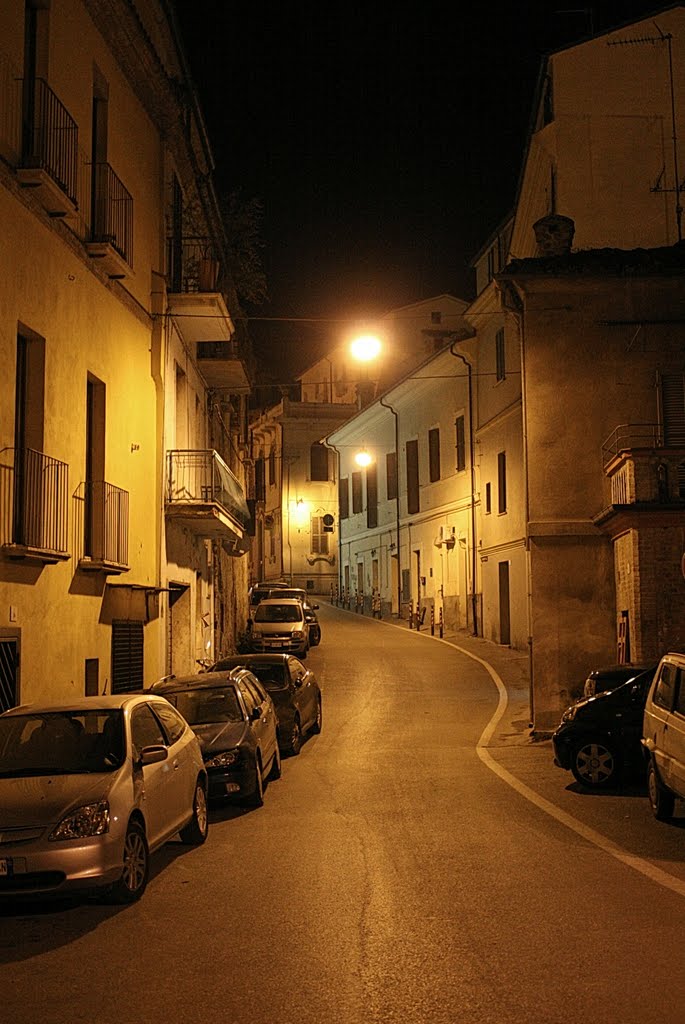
[645, 868]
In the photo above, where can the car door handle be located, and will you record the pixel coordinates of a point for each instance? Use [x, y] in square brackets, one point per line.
[176, 766]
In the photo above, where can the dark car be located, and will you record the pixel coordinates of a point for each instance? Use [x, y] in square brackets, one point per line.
[235, 720]
[600, 679]
[292, 687]
[599, 738]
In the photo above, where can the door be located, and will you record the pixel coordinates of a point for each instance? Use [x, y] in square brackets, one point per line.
[504, 606]
[303, 693]
[162, 802]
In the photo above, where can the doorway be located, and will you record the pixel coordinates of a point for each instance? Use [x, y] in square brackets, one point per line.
[504, 606]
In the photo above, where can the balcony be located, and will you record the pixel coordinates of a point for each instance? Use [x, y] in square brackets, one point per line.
[33, 506]
[204, 496]
[645, 477]
[199, 310]
[101, 527]
[49, 150]
[111, 238]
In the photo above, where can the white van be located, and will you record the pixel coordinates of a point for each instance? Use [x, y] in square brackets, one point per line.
[663, 735]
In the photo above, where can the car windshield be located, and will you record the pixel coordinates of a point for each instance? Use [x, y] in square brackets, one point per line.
[258, 594]
[278, 613]
[273, 677]
[205, 706]
[61, 743]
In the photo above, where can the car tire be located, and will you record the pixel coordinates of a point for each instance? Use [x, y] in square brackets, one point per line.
[256, 798]
[275, 772]
[195, 832]
[661, 800]
[132, 884]
[594, 764]
[318, 721]
[295, 738]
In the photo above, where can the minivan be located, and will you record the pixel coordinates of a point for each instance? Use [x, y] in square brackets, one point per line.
[663, 735]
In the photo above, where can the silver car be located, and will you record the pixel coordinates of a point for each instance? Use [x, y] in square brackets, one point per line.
[279, 624]
[89, 789]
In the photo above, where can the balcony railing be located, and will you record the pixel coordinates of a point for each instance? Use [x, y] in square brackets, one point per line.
[50, 136]
[201, 478]
[628, 436]
[33, 504]
[112, 215]
[641, 468]
[101, 526]
[193, 265]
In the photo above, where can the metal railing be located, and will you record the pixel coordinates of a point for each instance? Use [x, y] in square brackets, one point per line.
[632, 435]
[101, 523]
[49, 136]
[193, 264]
[202, 477]
[33, 500]
[112, 213]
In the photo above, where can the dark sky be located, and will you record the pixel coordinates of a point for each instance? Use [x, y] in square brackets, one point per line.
[384, 140]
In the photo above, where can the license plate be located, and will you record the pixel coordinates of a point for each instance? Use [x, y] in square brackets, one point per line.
[5, 866]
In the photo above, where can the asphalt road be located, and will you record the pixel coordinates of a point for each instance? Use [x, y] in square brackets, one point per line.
[407, 868]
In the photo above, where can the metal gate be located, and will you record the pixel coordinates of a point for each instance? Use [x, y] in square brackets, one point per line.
[9, 661]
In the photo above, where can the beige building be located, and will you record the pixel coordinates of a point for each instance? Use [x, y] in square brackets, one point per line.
[122, 506]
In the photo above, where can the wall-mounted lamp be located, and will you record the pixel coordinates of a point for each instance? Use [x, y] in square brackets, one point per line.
[363, 458]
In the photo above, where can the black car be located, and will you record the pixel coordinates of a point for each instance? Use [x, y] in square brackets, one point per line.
[600, 679]
[235, 720]
[292, 687]
[599, 737]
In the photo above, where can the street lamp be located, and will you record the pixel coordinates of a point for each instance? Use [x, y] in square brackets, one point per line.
[366, 347]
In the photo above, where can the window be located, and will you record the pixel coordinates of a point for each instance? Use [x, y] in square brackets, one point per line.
[356, 493]
[412, 477]
[319, 545]
[272, 466]
[491, 263]
[391, 476]
[259, 482]
[318, 462]
[502, 482]
[174, 725]
[488, 499]
[371, 496]
[460, 445]
[665, 688]
[344, 497]
[434, 454]
[436, 316]
[500, 371]
[127, 655]
[145, 729]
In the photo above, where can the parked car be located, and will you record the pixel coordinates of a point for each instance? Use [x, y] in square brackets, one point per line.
[310, 610]
[663, 733]
[600, 679]
[87, 794]
[279, 624]
[599, 738]
[292, 687]
[236, 723]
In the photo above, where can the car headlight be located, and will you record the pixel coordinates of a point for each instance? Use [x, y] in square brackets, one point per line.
[89, 820]
[298, 634]
[569, 714]
[223, 760]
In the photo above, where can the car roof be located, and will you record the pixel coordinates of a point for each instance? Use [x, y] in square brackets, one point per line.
[282, 600]
[110, 702]
[236, 660]
[206, 681]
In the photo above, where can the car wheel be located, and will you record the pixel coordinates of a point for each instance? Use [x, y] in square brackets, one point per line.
[295, 738]
[131, 886]
[256, 798]
[661, 800]
[319, 717]
[275, 772]
[195, 832]
[594, 764]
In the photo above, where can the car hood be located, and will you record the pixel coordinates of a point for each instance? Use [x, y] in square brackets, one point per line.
[217, 736]
[41, 800]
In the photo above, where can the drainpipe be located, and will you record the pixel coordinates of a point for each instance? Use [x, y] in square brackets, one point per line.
[386, 405]
[474, 546]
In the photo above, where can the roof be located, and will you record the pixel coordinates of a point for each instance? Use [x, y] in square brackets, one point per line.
[601, 262]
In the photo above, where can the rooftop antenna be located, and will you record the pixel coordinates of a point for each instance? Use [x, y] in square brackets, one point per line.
[678, 185]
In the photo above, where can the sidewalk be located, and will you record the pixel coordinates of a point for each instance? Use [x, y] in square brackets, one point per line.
[512, 668]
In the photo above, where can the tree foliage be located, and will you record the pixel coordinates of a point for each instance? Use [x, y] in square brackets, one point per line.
[242, 220]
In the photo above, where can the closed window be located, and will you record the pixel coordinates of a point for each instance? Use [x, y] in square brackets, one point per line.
[460, 443]
[502, 482]
[145, 729]
[127, 655]
[272, 467]
[665, 688]
[412, 477]
[319, 536]
[488, 499]
[434, 454]
[357, 504]
[318, 462]
[344, 497]
[174, 725]
[500, 371]
[371, 496]
[391, 476]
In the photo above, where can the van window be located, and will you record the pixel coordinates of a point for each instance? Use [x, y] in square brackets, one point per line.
[680, 692]
[665, 687]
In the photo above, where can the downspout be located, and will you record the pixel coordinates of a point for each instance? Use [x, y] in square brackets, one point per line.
[474, 545]
[340, 541]
[386, 405]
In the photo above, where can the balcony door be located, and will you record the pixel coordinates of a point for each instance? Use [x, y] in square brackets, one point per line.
[94, 497]
[28, 440]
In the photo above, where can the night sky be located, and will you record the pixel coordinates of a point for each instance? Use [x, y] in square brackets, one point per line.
[385, 142]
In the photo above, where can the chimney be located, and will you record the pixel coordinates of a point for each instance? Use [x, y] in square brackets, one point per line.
[554, 235]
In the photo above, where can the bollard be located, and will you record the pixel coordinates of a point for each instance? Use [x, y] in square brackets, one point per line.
[432, 620]
[411, 614]
[440, 623]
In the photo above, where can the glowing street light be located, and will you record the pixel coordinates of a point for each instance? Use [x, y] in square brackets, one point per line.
[363, 458]
[366, 347]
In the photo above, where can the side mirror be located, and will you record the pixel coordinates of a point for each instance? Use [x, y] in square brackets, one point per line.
[153, 754]
[315, 607]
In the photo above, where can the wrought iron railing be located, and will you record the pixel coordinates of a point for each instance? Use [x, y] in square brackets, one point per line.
[101, 523]
[632, 435]
[202, 477]
[49, 136]
[112, 212]
[193, 265]
[34, 492]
